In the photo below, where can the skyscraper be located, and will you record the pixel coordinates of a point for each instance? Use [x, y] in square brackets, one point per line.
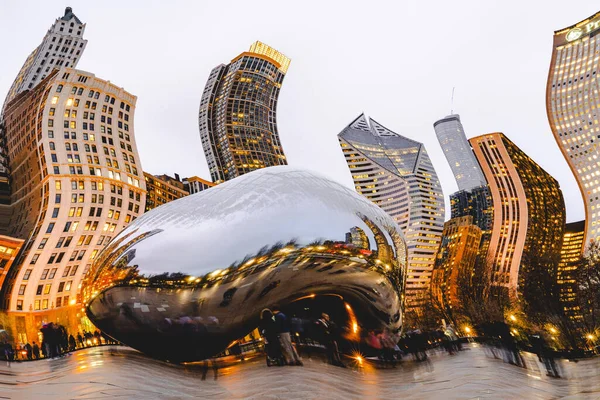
[456, 147]
[566, 277]
[396, 173]
[238, 113]
[62, 46]
[573, 104]
[529, 210]
[76, 181]
[456, 259]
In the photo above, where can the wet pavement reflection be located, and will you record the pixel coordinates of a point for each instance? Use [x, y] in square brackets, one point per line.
[119, 371]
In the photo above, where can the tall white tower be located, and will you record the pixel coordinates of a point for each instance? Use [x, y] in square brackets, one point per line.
[62, 46]
[456, 147]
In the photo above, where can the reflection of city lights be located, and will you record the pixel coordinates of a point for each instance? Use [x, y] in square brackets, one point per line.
[355, 327]
[347, 306]
[215, 273]
[191, 278]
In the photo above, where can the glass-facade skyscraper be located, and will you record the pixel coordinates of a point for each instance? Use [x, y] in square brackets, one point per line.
[573, 104]
[396, 173]
[457, 150]
[238, 113]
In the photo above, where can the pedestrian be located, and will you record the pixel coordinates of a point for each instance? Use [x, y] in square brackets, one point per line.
[72, 343]
[9, 354]
[29, 351]
[36, 351]
[330, 333]
[284, 327]
[80, 340]
[388, 343]
[270, 332]
[545, 354]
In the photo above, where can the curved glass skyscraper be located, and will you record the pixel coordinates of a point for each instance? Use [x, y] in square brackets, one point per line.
[396, 173]
[456, 147]
[573, 104]
[237, 117]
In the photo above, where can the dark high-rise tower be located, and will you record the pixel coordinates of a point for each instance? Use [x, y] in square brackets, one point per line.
[237, 117]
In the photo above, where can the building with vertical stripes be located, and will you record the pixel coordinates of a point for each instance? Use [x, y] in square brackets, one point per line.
[529, 210]
[395, 173]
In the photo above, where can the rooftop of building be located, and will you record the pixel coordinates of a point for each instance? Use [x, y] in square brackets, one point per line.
[198, 179]
[447, 118]
[574, 227]
[578, 24]
[69, 16]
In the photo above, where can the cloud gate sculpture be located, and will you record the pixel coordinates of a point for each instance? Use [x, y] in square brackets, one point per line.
[188, 278]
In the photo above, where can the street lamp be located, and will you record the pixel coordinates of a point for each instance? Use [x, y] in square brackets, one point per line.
[553, 330]
[513, 318]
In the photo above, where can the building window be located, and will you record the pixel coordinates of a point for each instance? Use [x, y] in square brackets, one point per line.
[39, 290]
[22, 290]
[50, 227]
[27, 274]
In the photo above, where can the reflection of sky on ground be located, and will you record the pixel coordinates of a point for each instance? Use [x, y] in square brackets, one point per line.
[212, 229]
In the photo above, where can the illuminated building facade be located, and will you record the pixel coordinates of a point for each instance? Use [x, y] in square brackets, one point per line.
[61, 47]
[396, 173]
[76, 181]
[456, 148]
[161, 189]
[238, 113]
[193, 184]
[476, 202]
[529, 210]
[457, 256]
[573, 104]
[570, 255]
[9, 248]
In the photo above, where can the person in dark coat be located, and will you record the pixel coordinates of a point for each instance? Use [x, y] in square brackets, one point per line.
[36, 351]
[72, 343]
[269, 329]
[330, 333]
[29, 351]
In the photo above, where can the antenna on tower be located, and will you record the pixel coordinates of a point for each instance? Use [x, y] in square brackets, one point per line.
[452, 102]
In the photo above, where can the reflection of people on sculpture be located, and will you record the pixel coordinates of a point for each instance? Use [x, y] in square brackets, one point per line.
[269, 331]
[284, 326]
[330, 333]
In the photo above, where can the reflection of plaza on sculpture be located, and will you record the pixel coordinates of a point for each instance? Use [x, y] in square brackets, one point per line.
[189, 278]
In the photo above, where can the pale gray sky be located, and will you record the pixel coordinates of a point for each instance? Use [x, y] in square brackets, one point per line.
[395, 60]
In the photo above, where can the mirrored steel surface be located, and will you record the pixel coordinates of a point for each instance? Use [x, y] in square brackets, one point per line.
[186, 279]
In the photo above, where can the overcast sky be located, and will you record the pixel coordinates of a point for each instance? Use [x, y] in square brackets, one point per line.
[397, 61]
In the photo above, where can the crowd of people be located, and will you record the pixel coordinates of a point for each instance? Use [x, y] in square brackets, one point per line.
[56, 342]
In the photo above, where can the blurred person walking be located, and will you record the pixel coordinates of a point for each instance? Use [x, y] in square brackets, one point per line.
[284, 327]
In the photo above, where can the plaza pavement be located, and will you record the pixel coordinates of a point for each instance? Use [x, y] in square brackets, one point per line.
[109, 372]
